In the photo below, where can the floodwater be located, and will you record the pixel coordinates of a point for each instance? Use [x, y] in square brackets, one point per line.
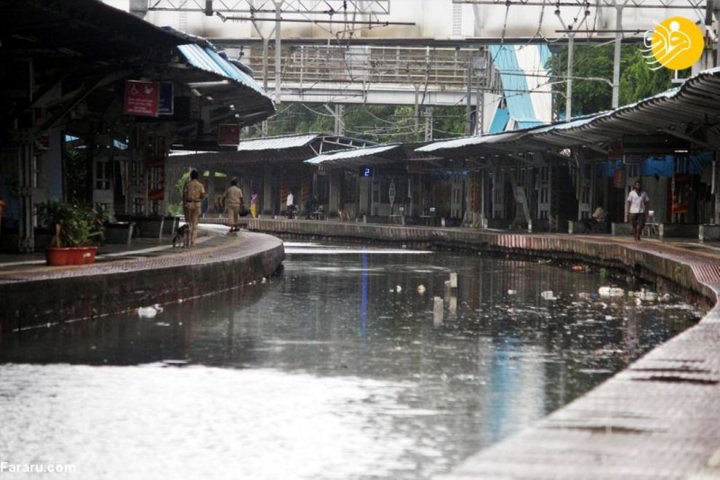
[341, 368]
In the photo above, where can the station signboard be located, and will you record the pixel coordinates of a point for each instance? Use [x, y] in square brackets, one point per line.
[141, 98]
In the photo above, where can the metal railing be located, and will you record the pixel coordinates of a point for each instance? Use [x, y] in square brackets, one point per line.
[443, 68]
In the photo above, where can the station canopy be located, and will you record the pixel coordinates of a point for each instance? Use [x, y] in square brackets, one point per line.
[356, 157]
[683, 118]
[286, 149]
[82, 52]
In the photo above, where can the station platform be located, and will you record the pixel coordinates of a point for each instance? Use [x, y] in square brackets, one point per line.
[125, 277]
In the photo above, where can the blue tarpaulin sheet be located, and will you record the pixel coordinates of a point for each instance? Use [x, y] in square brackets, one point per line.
[662, 166]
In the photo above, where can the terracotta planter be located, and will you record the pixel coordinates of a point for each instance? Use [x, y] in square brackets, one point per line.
[70, 255]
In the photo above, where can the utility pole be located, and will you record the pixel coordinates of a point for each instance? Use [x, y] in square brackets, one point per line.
[338, 114]
[470, 128]
[278, 21]
[428, 124]
[569, 82]
[616, 55]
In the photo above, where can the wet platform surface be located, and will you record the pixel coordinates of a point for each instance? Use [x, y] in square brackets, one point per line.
[144, 254]
[125, 278]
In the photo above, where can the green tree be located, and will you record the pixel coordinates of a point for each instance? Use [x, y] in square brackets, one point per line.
[378, 123]
[637, 81]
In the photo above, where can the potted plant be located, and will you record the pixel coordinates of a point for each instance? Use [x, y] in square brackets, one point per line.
[77, 229]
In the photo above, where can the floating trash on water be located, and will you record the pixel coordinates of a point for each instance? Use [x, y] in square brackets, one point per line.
[548, 295]
[421, 289]
[647, 295]
[611, 292]
[438, 311]
[149, 312]
[577, 268]
[162, 324]
[264, 280]
[398, 288]
[512, 292]
[453, 280]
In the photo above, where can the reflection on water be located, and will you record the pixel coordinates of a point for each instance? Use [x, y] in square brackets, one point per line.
[340, 369]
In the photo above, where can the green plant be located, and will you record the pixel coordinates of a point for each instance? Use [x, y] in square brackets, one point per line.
[73, 225]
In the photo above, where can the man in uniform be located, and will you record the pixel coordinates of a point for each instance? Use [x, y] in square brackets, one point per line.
[234, 204]
[193, 194]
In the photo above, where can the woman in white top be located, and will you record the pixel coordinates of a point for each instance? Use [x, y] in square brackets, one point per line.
[638, 204]
[290, 205]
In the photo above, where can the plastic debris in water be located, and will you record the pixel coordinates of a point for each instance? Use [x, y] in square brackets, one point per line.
[438, 311]
[398, 288]
[512, 292]
[421, 289]
[611, 292]
[149, 312]
[548, 295]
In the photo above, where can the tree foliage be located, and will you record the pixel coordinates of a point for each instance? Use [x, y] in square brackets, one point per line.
[378, 123]
[637, 81]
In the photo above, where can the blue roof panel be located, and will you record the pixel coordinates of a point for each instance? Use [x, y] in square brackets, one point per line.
[210, 61]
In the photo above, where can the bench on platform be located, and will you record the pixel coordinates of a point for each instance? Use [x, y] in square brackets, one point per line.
[119, 232]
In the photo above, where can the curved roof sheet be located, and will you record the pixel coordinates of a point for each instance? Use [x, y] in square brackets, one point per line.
[205, 58]
[697, 100]
[350, 157]
[276, 143]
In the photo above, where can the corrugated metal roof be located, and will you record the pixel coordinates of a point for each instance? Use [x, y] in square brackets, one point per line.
[277, 143]
[347, 157]
[209, 60]
[696, 100]
[471, 141]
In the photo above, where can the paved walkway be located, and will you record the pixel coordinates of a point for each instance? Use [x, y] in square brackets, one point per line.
[143, 254]
[36, 295]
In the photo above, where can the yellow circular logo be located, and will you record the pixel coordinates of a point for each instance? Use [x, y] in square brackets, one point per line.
[677, 43]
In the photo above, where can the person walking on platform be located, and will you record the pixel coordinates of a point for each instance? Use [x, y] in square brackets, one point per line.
[234, 204]
[638, 204]
[193, 195]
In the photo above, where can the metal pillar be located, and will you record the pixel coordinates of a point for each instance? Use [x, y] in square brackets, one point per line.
[469, 129]
[428, 124]
[26, 169]
[267, 191]
[339, 116]
[278, 19]
[569, 83]
[335, 197]
[616, 56]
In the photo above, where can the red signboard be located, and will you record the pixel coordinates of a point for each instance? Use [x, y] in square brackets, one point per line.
[616, 150]
[228, 134]
[141, 98]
